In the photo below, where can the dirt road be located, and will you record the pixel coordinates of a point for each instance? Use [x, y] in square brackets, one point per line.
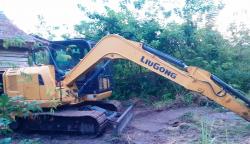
[171, 126]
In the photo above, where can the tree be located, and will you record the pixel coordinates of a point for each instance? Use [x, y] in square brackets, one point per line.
[194, 40]
[45, 30]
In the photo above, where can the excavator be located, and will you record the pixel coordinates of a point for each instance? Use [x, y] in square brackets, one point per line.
[87, 111]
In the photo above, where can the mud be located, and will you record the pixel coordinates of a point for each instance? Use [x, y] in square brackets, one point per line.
[170, 126]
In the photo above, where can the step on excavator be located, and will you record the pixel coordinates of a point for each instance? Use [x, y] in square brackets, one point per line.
[85, 110]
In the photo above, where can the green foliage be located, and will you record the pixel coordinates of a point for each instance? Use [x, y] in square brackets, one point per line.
[188, 98]
[4, 126]
[167, 97]
[139, 4]
[41, 57]
[159, 105]
[62, 56]
[164, 101]
[44, 29]
[194, 41]
[13, 42]
[129, 79]
[69, 56]
[14, 106]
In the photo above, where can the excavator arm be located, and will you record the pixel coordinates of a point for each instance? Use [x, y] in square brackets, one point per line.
[190, 77]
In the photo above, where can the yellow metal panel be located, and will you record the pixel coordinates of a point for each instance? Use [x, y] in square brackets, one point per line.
[24, 82]
[99, 96]
[103, 95]
[31, 88]
[11, 82]
[42, 93]
[13, 85]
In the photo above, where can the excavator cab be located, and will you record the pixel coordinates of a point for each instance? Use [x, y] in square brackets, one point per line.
[65, 55]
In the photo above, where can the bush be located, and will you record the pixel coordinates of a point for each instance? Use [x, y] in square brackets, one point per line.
[14, 106]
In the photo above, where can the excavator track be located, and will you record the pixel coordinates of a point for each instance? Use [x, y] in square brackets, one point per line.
[71, 118]
[84, 122]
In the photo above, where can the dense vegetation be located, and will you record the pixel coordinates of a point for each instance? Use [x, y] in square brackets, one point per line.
[10, 106]
[193, 39]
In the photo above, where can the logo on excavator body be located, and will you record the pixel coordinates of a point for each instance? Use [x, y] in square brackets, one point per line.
[158, 67]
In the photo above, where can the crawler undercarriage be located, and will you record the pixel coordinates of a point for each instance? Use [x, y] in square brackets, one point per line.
[88, 118]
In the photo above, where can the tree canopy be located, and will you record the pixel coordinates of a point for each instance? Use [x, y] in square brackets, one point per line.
[187, 32]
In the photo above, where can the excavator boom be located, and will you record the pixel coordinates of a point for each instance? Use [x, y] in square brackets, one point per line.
[190, 77]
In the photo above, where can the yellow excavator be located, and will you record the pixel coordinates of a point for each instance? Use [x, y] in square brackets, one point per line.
[89, 113]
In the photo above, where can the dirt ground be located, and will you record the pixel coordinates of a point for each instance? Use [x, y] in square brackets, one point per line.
[169, 126]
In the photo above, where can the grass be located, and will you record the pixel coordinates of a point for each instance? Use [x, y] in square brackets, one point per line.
[207, 133]
[165, 100]
[159, 105]
[206, 136]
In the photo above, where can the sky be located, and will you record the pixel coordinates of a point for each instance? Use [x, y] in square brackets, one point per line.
[23, 13]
